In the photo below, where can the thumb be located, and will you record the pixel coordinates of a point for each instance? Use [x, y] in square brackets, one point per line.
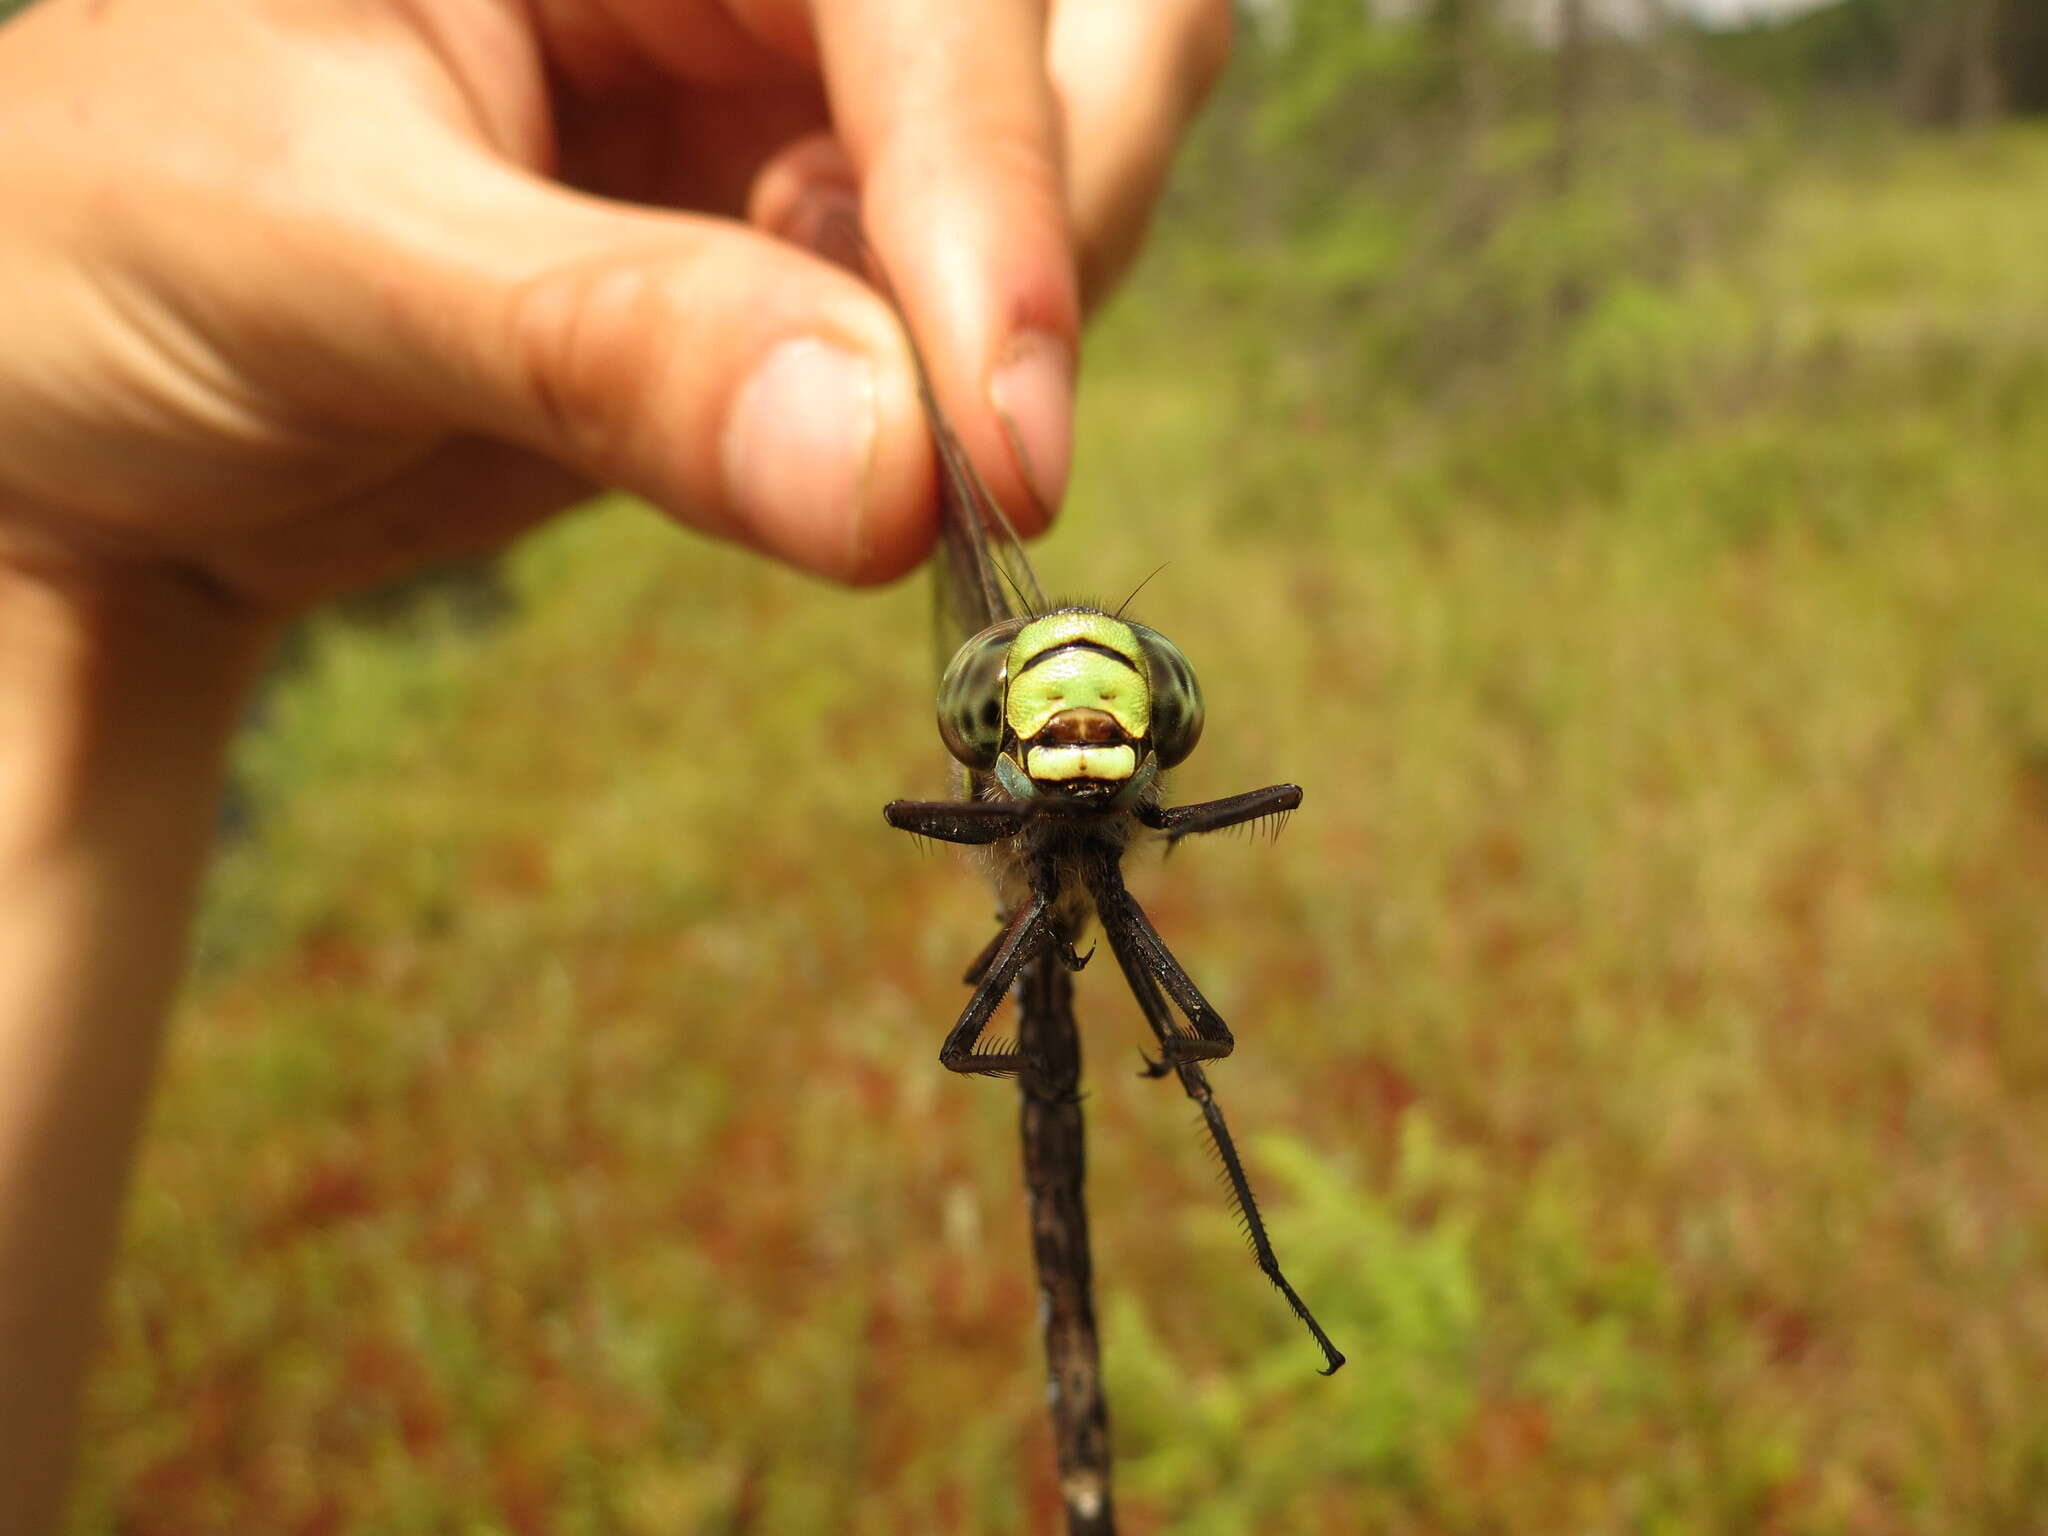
[743, 386]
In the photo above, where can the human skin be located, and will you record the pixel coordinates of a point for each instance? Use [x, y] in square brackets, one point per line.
[302, 294]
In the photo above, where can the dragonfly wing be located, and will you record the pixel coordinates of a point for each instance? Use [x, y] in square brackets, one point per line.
[982, 574]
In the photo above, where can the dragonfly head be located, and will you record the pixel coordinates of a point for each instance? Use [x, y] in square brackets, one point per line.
[1075, 699]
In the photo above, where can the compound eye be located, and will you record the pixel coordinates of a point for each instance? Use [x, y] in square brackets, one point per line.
[971, 696]
[1176, 697]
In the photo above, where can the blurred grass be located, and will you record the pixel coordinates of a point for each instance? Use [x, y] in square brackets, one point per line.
[1644, 1027]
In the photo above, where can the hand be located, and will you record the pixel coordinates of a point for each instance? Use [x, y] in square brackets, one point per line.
[303, 295]
[297, 295]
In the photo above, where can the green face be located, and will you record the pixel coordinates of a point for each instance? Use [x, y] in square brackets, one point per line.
[1075, 699]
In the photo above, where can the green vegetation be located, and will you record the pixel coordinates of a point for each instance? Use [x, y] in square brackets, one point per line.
[1644, 1026]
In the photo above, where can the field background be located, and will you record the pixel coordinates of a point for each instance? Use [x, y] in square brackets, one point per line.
[1626, 523]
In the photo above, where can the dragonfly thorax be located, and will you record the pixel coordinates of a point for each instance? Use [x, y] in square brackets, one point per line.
[1076, 700]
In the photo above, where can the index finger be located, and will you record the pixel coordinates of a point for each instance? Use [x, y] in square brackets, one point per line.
[950, 118]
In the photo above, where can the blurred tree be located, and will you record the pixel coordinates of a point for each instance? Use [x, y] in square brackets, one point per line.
[1574, 46]
[1471, 30]
[2023, 55]
[1948, 61]
[1945, 62]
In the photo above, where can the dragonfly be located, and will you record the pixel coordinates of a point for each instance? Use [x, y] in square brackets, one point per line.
[1061, 720]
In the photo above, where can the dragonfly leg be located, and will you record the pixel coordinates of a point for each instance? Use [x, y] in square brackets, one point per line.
[1195, 1083]
[1021, 939]
[1068, 956]
[1129, 930]
[987, 957]
[1182, 821]
[959, 821]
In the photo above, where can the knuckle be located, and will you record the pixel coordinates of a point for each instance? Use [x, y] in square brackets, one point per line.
[1023, 154]
[572, 338]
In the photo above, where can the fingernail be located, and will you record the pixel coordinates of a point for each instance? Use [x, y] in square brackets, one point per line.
[1033, 392]
[797, 450]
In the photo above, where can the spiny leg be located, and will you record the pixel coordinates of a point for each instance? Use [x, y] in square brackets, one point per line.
[959, 821]
[1182, 821]
[1195, 1083]
[987, 957]
[1028, 932]
[1064, 948]
[1124, 921]
[974, 822]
